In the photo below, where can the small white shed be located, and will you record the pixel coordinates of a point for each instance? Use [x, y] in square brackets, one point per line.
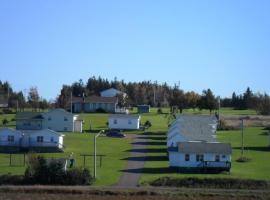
[10, 137]
[124, 122]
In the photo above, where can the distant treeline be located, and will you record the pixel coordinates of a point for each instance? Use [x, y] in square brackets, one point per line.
[145, 92]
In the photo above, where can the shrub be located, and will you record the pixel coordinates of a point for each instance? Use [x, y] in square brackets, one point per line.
[159, 111]
[78, 176]
[100, 110]
[222, 126]
[243, 159]
[11, 179]
[222, 183]
[7, 111]
[5, 121]
[147, 124]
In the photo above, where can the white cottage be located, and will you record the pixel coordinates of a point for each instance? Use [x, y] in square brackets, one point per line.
[192, 128]
[202, 155]
[111, 92]
[124, 122]
[45, 138]
[55, 119]
[10, 137]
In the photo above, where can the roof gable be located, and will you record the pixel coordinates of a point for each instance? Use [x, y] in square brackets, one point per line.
[204, 147]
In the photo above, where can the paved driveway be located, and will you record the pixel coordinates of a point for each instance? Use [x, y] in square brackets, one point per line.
[131, 174]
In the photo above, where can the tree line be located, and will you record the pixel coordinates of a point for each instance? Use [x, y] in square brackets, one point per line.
[145, 92]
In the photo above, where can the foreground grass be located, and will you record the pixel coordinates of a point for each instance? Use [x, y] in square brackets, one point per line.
[114, 149]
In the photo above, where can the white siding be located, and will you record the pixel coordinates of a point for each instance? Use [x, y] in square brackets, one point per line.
[58, 120]
[5, 133]
[124, 123]
[172, 141]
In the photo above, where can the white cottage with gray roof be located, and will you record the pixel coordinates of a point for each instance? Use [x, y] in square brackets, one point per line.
[192, 128]
[203, 155]
[124, 122]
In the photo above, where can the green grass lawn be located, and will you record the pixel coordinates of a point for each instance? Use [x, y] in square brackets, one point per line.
[256, 141]
[115, 150]
[156, 164]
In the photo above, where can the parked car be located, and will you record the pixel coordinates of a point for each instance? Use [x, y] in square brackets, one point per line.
[115, 133]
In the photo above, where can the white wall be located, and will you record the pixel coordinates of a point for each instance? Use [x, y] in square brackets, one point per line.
[47, 135]
[177, 159]
[174, 139]
[58, 122]
[123, 123]
[4, 133]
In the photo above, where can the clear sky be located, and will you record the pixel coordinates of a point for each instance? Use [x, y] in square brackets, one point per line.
[220, 44]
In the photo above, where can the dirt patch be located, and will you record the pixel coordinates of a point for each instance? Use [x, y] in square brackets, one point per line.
[249, 121]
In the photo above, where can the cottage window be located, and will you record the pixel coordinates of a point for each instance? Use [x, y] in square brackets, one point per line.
[52, 139]
[199, 158]
[217, 159]
[65, 128]
[129, 121]
[49, 118]
[223, 156]
[40, 139]
[65, 119]
[11, 138]
[115, 121]
[187, 157]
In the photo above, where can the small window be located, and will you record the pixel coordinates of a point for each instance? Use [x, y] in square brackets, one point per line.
[49, 118]
[65, 119]
[10, 138]
[187, 157]
[217, 159]
[65, 128]
[115, 121]
[129, 121]
[199, 158]
[52, 139]
[40, 139]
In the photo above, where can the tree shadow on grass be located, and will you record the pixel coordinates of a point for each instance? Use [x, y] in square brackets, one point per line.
[147, 158]
[154, 133]
[266, 148]
[160, 170]
[153, 138]
[264, 133]
[149, 143]
[162, 150]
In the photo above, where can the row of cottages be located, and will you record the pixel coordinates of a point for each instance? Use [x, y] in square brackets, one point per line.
[124, 122]
[55, 119]
[191, 143]
[39, 140]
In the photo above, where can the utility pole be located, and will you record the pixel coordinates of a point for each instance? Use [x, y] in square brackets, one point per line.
[71, 101]
[95, 153]
[242, 138]
[154, 95]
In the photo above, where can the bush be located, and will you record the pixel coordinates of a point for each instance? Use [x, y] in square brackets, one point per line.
[100, 110]
[159, 111]
[11, 179]
[219, 183]
[147, 124]
[5, 121]
[243, 159]
[222, 126]
[78, 176]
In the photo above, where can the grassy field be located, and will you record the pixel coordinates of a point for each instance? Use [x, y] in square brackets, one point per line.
[115, 150]
[156, 164]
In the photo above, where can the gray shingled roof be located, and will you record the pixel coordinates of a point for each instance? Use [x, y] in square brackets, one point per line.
[196, 127]
[29, 115]
[124, 116]
[204, 147]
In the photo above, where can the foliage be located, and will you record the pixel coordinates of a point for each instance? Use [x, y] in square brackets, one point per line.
[78, 176]
[208, 101]
[5, 121]
[159, 111]
[147, 124]
[223, 126]
[220, 183]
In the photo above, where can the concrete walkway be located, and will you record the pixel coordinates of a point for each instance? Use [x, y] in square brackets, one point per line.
[131, 174]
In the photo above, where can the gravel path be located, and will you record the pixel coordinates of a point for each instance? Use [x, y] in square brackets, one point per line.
[131, 174]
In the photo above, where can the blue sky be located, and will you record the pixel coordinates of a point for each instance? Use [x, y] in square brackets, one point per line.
[217, 44]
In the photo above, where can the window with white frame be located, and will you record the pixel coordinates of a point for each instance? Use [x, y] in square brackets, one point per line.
[65, 119]
[52, 139]
[40, 139]
[11, 138]
[217, 158]
[115, 121]
[49, 118]
[129, 122]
